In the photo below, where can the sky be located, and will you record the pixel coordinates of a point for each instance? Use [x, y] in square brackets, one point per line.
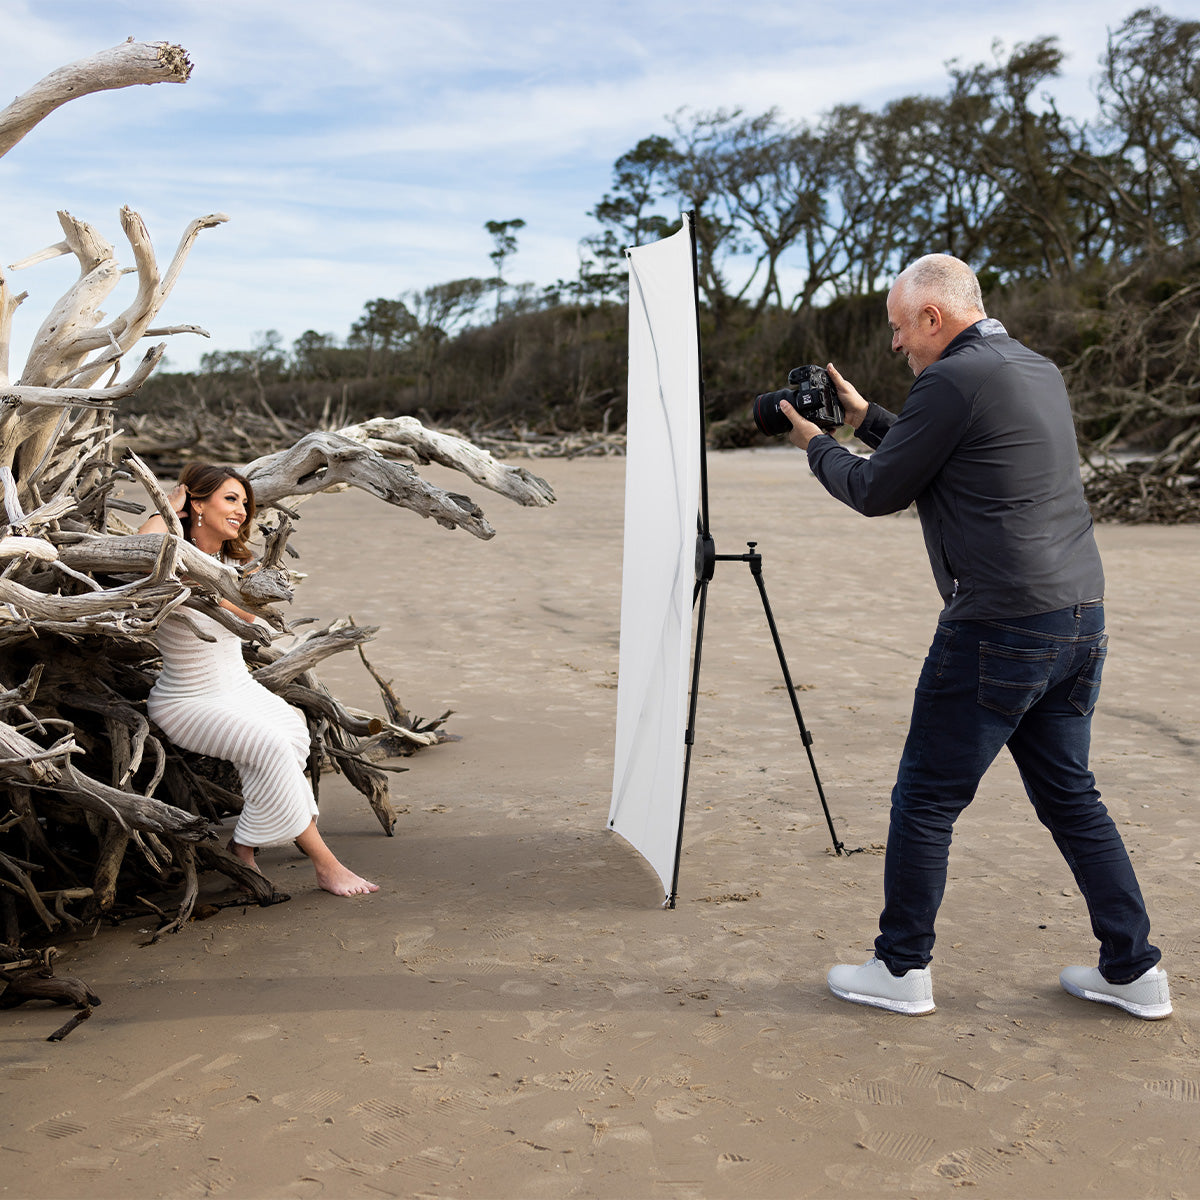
[358, 147]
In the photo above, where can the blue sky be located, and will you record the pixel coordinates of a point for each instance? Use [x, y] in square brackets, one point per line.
[359, 146]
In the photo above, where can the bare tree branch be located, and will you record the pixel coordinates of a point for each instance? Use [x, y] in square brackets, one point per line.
[122, 66]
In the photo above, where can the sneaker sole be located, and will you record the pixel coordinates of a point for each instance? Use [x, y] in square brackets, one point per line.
[908, 1008]
[1147, 1012]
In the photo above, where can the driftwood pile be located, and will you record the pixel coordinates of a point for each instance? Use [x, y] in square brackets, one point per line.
[100, 816]
[102, 810]
[526, 443]
[1139, 378]
[1143, 492]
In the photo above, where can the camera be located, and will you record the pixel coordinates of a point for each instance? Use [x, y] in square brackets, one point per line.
[812, 395]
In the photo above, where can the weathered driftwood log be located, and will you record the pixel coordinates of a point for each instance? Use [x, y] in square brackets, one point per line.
[63, 583]
[72, 349]
[406, 437]
[22, 981]
[99, 591]
[122, 66]
[1139, 376]
[158, 558]
[323, 462]
[22, 987]
[291, 676]
[230, 430]
[72, 331]
[1145, 492]
[366, 455]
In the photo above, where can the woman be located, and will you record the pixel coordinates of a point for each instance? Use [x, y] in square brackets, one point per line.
[206, 701]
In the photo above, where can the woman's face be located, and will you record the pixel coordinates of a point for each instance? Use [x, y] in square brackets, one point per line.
[224, 511]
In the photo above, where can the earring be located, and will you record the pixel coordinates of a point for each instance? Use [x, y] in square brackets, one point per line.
[199, 518]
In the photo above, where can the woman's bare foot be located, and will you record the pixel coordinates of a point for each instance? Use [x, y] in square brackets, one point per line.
[331, 875]
[341, 881]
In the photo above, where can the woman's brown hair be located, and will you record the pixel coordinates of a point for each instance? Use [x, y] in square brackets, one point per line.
[201, 481]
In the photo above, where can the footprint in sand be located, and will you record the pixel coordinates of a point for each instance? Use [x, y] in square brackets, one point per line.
[259, 1034]
[676, 1108]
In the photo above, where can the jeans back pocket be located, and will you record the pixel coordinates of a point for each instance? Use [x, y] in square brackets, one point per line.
[1086, 691]
[1011, 679]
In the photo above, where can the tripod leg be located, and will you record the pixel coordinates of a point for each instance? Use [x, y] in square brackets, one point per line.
[706, 559]
[701, 596]
[805, 736]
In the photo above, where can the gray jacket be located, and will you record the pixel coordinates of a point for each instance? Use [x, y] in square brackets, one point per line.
[986, 447]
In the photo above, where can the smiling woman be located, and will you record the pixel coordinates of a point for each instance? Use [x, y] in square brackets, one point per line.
[215, 506]
[206, 701]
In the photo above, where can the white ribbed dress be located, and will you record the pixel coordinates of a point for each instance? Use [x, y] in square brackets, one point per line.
[206, 701]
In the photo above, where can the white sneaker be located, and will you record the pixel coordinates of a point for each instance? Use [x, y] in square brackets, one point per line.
[1148, 996]
[874, 984]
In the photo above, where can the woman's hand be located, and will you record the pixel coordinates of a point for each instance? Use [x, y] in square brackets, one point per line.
[177, 500]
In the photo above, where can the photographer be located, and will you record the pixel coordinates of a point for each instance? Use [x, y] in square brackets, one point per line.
[986, 448]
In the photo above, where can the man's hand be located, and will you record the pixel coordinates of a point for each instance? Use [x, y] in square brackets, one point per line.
[803, 430]
[854, 405]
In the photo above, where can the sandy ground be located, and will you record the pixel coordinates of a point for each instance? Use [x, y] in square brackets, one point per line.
[514, 1015]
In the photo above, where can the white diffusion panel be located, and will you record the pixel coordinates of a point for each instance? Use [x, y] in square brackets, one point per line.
[662, 483]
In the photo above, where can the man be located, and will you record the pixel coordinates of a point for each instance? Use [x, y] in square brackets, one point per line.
[986, 447]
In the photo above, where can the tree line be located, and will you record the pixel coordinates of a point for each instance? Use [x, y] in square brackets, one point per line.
[990, 171]
[1084, 232]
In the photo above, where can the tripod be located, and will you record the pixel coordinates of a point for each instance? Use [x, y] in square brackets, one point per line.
[706, 561]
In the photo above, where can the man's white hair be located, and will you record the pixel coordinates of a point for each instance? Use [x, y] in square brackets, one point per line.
[943, 280]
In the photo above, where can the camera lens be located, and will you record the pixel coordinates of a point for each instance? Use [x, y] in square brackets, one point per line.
[767, 415]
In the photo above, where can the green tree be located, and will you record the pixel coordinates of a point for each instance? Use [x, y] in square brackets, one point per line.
[504, 244]
[438, 312]
[1047, 220]
[383, 329]
[1149, 94]
[313, 354]
[264, 361]
[642, 180]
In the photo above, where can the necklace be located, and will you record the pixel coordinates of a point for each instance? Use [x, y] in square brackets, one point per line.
[211, 553]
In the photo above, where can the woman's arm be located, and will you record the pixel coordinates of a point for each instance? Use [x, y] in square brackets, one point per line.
[239, 612]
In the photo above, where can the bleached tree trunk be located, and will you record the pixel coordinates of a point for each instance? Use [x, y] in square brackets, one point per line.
[122, 66]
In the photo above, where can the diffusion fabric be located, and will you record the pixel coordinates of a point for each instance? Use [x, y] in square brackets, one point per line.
[662, 483]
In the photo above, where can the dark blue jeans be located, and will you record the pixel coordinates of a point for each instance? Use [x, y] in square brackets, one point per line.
[1029, 684]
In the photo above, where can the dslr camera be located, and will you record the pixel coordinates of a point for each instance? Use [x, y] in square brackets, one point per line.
[812, 395]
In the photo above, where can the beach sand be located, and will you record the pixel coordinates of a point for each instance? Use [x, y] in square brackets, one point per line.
[514, 1014]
